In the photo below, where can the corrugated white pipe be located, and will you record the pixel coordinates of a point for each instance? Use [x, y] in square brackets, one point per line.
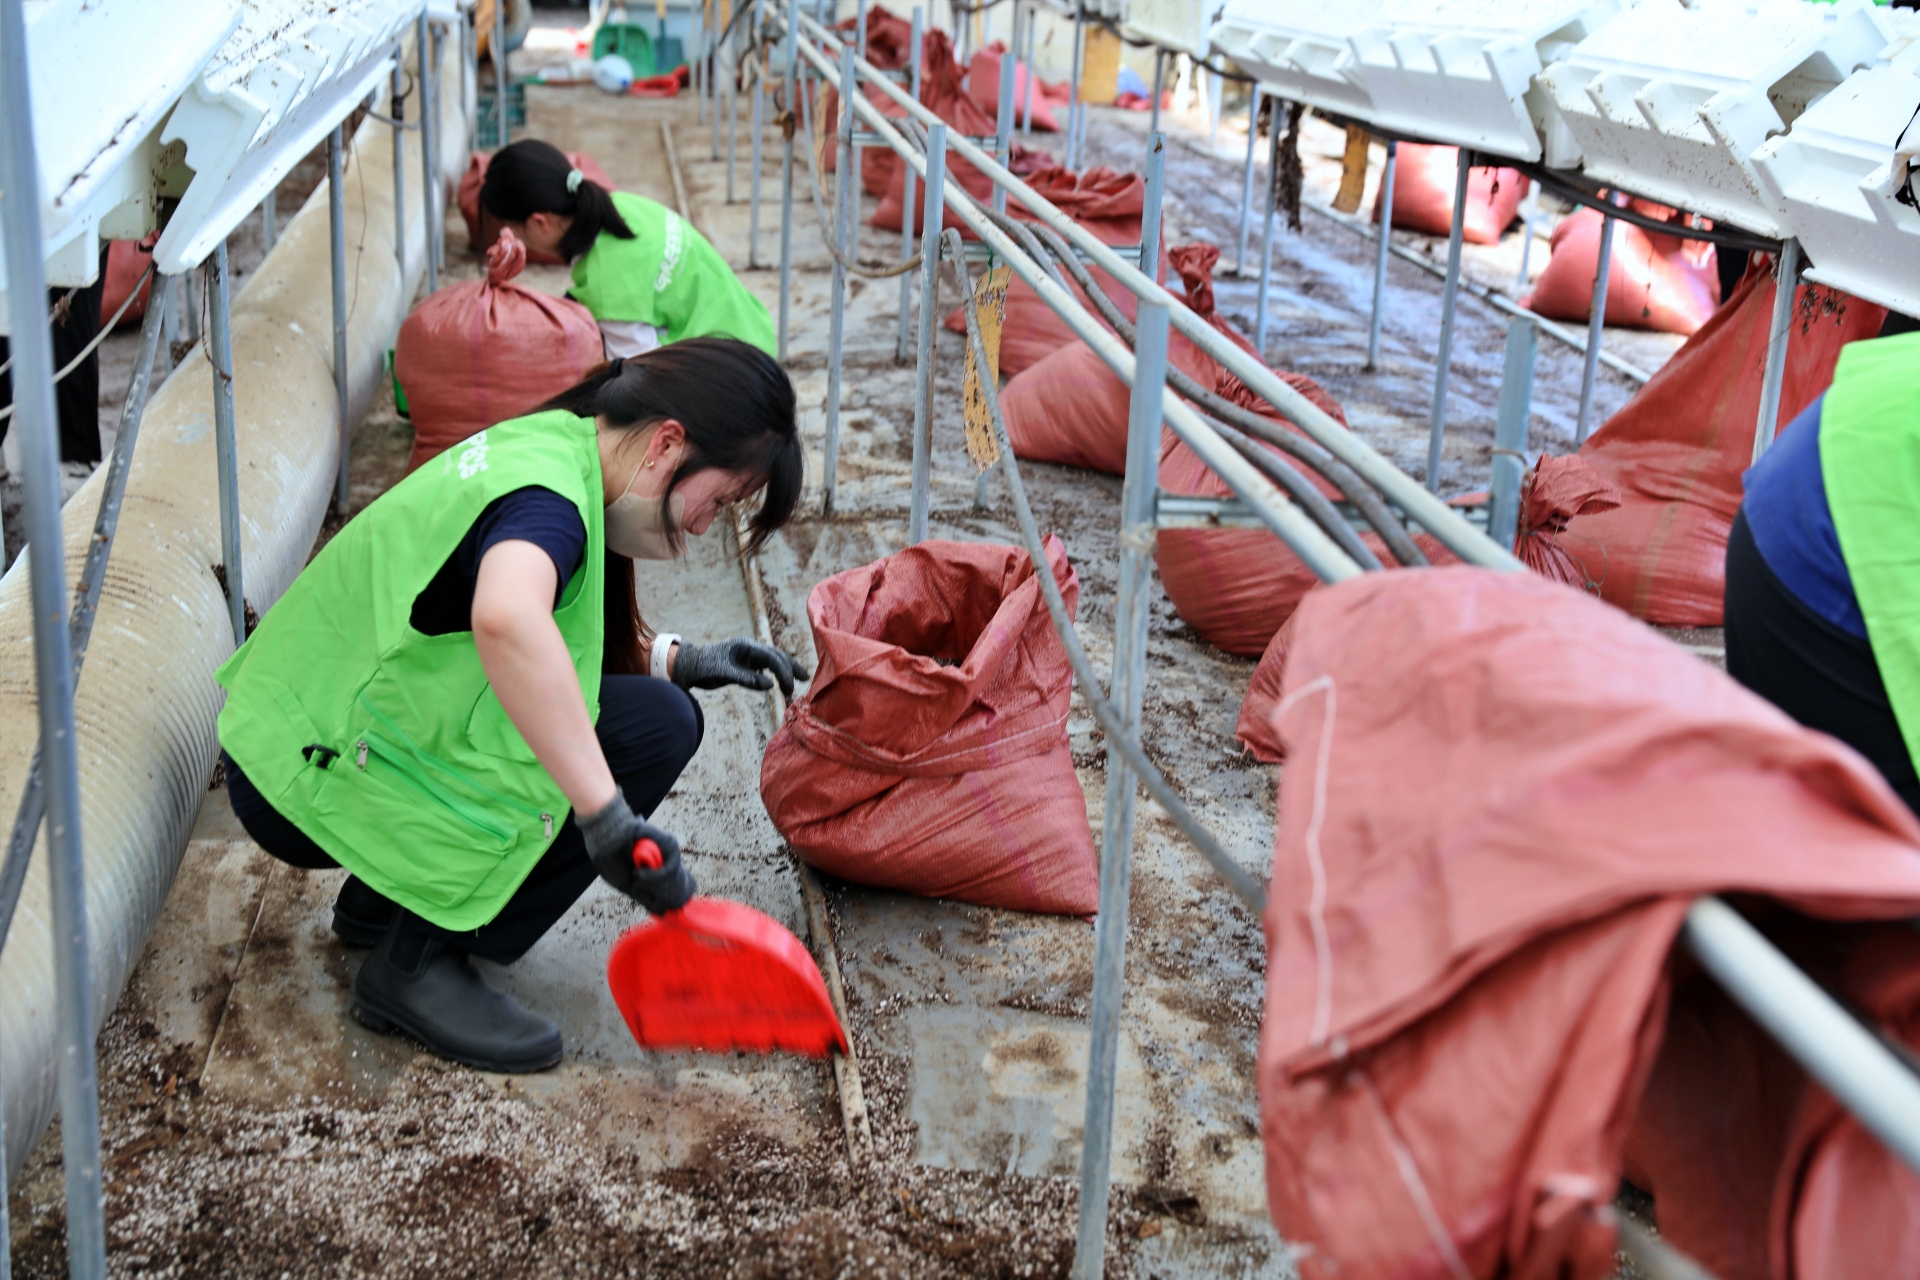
[146, 702]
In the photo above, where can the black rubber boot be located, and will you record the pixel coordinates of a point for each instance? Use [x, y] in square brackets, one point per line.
[360, 915]
[415, 982]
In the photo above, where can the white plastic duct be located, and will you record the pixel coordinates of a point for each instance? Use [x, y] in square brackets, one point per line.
[1300, 51]
[1830, 179]
[1672, 102]
[146, 701]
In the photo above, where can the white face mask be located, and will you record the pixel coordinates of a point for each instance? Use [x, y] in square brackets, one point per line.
[634, 527]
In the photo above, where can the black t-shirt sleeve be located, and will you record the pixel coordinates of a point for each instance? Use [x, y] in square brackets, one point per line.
[533, 514]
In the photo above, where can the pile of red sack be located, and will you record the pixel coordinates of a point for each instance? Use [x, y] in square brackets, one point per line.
[1423, 189]
[943, 93]
[1654, 281]
[983, 86]
[1677, 450]
[481, 352]
[127, 262]
[1502, 799]
[930, 753]
[483, 227]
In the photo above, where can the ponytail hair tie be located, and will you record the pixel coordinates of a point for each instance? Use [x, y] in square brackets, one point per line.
[613, 366]
[574, 179]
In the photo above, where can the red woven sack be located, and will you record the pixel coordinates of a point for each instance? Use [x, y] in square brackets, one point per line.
[1677, 450]
[484, 351]
[483, 227]
[983, 86]
[942, 93]
[930, 752]
[1423, 179]
[127, 261]
[1654, 281]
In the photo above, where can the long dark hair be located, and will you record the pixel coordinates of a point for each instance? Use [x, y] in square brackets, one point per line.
[737, 406]
[530, 176]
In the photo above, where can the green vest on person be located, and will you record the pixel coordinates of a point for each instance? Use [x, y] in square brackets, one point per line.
[1870, 462]
[388, 747]
[669, 276]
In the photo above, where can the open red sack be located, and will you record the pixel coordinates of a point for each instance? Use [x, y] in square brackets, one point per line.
[1677, 450]
[942, 93]
[1423, 179]
[889, 37]
[127, 261]
[983, 86]
[930, 752]
[1654, 281]
[483, 227]
[483, 351]
[1501, 798]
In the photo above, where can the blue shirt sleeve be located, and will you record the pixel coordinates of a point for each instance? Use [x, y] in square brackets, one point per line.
[532, 514]
[1792, 525]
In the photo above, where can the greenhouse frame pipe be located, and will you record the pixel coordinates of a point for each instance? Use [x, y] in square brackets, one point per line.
[397, 104]
[1510, 431]
[934, 215]
[1778, 335]
[1026, 121]
[786, 179]
[1003, 128]
[429, 151]
[269, 230]
[1266, 236]
[226, 456]
[1380, 259]
[836, 325]
[502, 78]
[1131, 615]
[37, 422]
[1596, 327]
[759, 129]
[713, 80]
[1159, 80]
[732, 87]
[337, 220]
[698, 71]
[1076, 110]
[1294, 527]
[1246, 180]
[1424, 508]
[1449, 303]
[1153, 205]
[906, 202]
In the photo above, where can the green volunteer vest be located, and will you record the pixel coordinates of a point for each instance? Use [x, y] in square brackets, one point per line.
[668, 276]
[388, 747]
[1870, 461]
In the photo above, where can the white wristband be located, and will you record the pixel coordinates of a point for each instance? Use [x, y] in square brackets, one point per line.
[657, 658]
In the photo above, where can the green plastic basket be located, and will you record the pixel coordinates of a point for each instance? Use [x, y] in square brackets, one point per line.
[633, 43]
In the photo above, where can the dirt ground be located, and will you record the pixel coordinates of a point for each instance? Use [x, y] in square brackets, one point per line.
[251, 1129]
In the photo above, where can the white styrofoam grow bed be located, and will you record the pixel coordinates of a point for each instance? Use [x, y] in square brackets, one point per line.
[1671, 102]
[1462, 71]
[293, 70]
[1301, 51]
[1830, 179]
[1171, 24]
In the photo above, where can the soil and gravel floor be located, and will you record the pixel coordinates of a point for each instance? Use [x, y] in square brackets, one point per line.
[252, 1129]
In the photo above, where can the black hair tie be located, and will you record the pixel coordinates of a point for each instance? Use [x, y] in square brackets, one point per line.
[613, 369]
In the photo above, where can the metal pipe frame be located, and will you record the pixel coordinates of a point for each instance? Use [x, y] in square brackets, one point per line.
[37, 422]
[791, 36]
[398, 104]
[429, 80]
[166, 291]
[1246, 181]
[732, 95]
[1423, 508]
[1159, 81]
[713, 79]
[1596, 326]
[759, 130]
[698, 69]
[1779, 329]
[1510, 431]
[1266, 234]
[502, 78]
[1033, 27]
[1380, 259]
[1076, 110]
[1449, 300]
[906, 201]
[1003, 121]
[226, 449]
[337, 225]
[1153, 205]
[269, 221]
[932, 217]
[1132, 610]
[842, 220]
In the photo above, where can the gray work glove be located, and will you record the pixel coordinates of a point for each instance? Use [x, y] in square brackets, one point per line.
[737, 661]
[610, 835]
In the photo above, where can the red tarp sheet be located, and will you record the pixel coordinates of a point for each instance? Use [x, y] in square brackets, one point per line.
[1654, 281]
[1500, 799]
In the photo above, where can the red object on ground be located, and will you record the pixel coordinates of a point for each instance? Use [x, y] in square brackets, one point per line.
[889, 37]
[483, 228]
[1131, 101]
[1423, 179]
[1654, 281]
[1500, 800]
[666, 86]
[942, 93]
[1677, 450]
[930, 752]
[484, 351]
[127, 261]
[983, 86]
[720, 976]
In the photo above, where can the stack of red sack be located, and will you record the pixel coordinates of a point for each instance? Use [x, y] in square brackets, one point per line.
[482, 226]
[983, 86]
[1654, 281]
[1423, 189]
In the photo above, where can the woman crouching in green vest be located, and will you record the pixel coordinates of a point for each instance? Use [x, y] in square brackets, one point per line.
[458, 702]
[646, 275]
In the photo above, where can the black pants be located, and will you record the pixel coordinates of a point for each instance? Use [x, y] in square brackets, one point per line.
[77, 396]
[649, 730]
[1822, 676]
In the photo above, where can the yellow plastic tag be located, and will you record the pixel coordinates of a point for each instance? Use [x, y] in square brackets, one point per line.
[991, 295]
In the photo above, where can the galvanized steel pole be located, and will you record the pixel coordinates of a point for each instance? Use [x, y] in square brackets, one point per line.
[37, 420]
[842, 220]
[337, 224]
[166, 292]
[1596, 326]
[1778, 331]
[269, 222]
[713, 81]
[1131, 613]
[1151, 207]
[1033, 25]
[1510, 430]
[1380, 260]
[1266, 234]
[759, 129]
[786, 173]
[699, 60]
[1159, 79]
[932, 217]
[1076, 110]
[1003, 129]
[225, 448]
[860, 29]
[429, 81]
[907, 177]
[501, 82]
[1246, 181]
[398, 104]
[733, 125]
[1449, 298]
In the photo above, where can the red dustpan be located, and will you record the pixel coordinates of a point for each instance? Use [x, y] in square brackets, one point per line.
[719, 976]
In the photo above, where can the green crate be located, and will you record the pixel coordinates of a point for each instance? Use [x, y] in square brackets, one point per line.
[631, 42]
[488, 129]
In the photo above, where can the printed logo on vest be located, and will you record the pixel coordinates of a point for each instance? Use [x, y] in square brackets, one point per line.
[670, 255]
[473, 457]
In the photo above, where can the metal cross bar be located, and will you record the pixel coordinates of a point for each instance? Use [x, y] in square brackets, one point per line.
[226, 453]
[1778, 331]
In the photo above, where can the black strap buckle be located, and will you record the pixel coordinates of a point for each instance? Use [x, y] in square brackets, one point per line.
[319, 755]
